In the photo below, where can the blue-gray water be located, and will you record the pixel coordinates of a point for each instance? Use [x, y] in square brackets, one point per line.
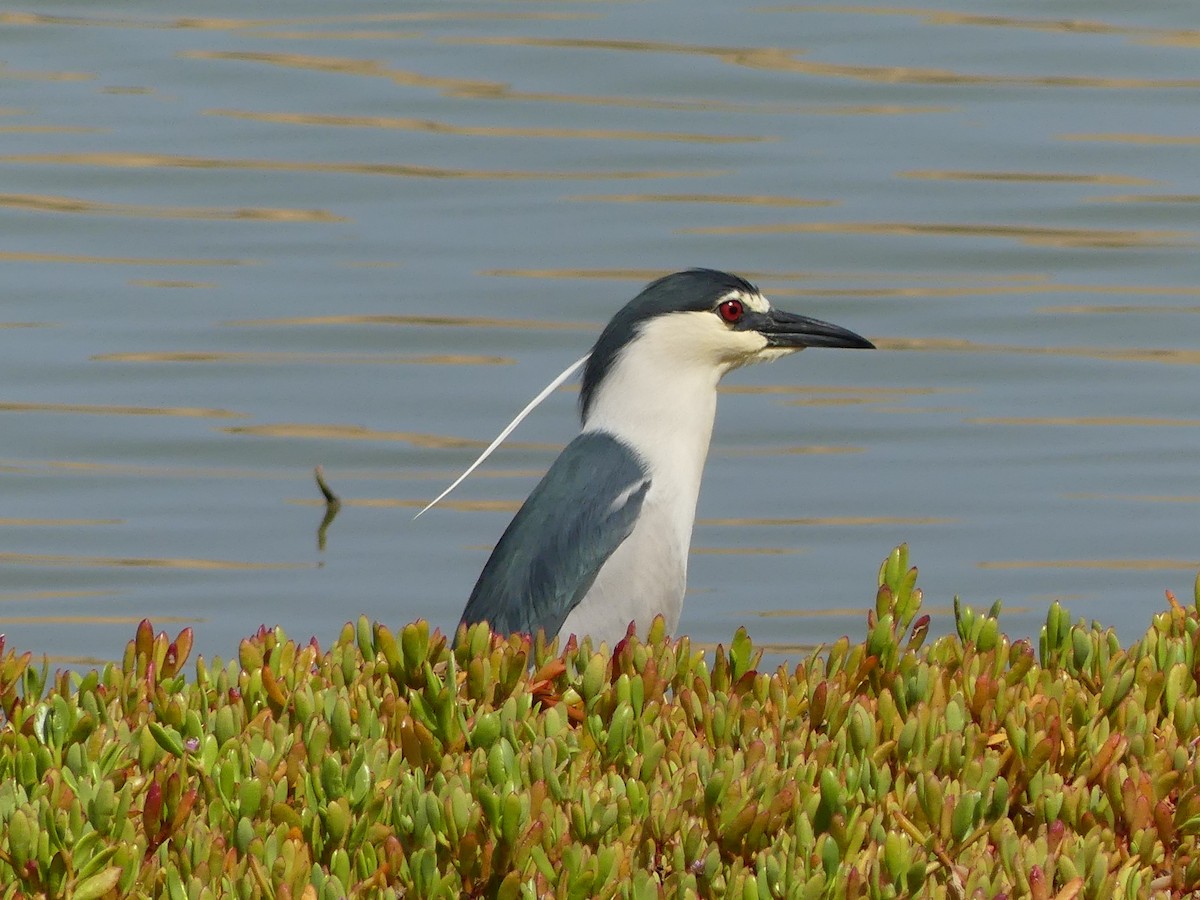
[235, 248]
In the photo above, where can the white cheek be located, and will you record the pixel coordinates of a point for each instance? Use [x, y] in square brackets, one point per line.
[715, 344]
[680, 341]
[744, 347]
[770, 354]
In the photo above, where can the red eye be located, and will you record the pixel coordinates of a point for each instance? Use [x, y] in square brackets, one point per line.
[731, 311]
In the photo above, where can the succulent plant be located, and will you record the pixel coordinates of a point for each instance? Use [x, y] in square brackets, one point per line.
[393, 765]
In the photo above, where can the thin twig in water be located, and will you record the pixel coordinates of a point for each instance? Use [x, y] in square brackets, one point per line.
[330, 497]
[332, 505]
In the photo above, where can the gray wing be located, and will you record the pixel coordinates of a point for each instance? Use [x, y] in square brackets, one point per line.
[547, 559]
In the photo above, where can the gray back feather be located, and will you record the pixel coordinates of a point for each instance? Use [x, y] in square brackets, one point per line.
[550, 554]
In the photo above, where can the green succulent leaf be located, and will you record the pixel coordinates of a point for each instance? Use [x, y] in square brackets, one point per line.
[392, 764]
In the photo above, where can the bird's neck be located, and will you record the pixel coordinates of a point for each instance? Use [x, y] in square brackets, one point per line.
[665, 415]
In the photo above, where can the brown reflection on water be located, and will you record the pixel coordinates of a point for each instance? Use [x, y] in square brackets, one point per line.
[780, 61]
[26, 596]
[833, 109]
[195, 412]
[830, 521]
[1022, 281]
[876, 393]
[434, 127]
[1176, 39]
[448, 87]
[783, 60]
[835, 401]
[747, 551]
[205, 23]
[164, 283]
[1037, 235]
[92, 620]
[167, 161]
[307, 358]
[7, 74]
[56, 523]
[1049, 177]
[435, 475]
[1146, 198]
[55, 559]
[359, 34]
[925, 410]
[432, 321]
[1124, 354]
[9, 256]
[1118, 421]
[141, 471]
[506, 506]
[476, 89]
[53, 204]
[1116, 137]
[730, 199]
[813, 395]
[1136, 498]
[729, 54]
[865, 401]
[983, 290]
[936, 284]
[49, 129]
[801, 450]
[946, 17]
[360, 433]
[1137, 565]
[1117, 309]
[596, 274]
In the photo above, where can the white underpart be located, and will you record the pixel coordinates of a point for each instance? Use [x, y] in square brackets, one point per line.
[660, 399]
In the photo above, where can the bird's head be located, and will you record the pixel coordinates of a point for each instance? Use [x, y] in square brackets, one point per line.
[708, 320]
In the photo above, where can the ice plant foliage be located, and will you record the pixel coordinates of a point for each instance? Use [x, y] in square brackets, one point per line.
[392, 765]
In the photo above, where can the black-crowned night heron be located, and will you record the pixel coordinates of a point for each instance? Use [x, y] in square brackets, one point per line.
[603, 539]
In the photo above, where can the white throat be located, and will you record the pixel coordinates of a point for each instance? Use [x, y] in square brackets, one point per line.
[660, 399]
[664, 413]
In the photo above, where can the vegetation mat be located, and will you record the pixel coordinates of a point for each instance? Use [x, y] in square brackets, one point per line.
[393, 764]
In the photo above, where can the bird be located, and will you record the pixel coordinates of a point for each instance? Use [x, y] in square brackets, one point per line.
[602, 541]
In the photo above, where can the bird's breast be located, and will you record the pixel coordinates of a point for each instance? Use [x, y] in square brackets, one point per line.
[645, 577]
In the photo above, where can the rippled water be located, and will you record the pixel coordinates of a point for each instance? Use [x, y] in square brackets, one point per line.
[234, 249]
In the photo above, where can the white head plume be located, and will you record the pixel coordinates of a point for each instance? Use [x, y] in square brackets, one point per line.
[509, 428]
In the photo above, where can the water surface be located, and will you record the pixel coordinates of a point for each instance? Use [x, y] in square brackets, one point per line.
[235, 248]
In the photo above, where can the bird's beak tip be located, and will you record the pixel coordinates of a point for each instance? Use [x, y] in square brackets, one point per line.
[845, 339]
[797, 332]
